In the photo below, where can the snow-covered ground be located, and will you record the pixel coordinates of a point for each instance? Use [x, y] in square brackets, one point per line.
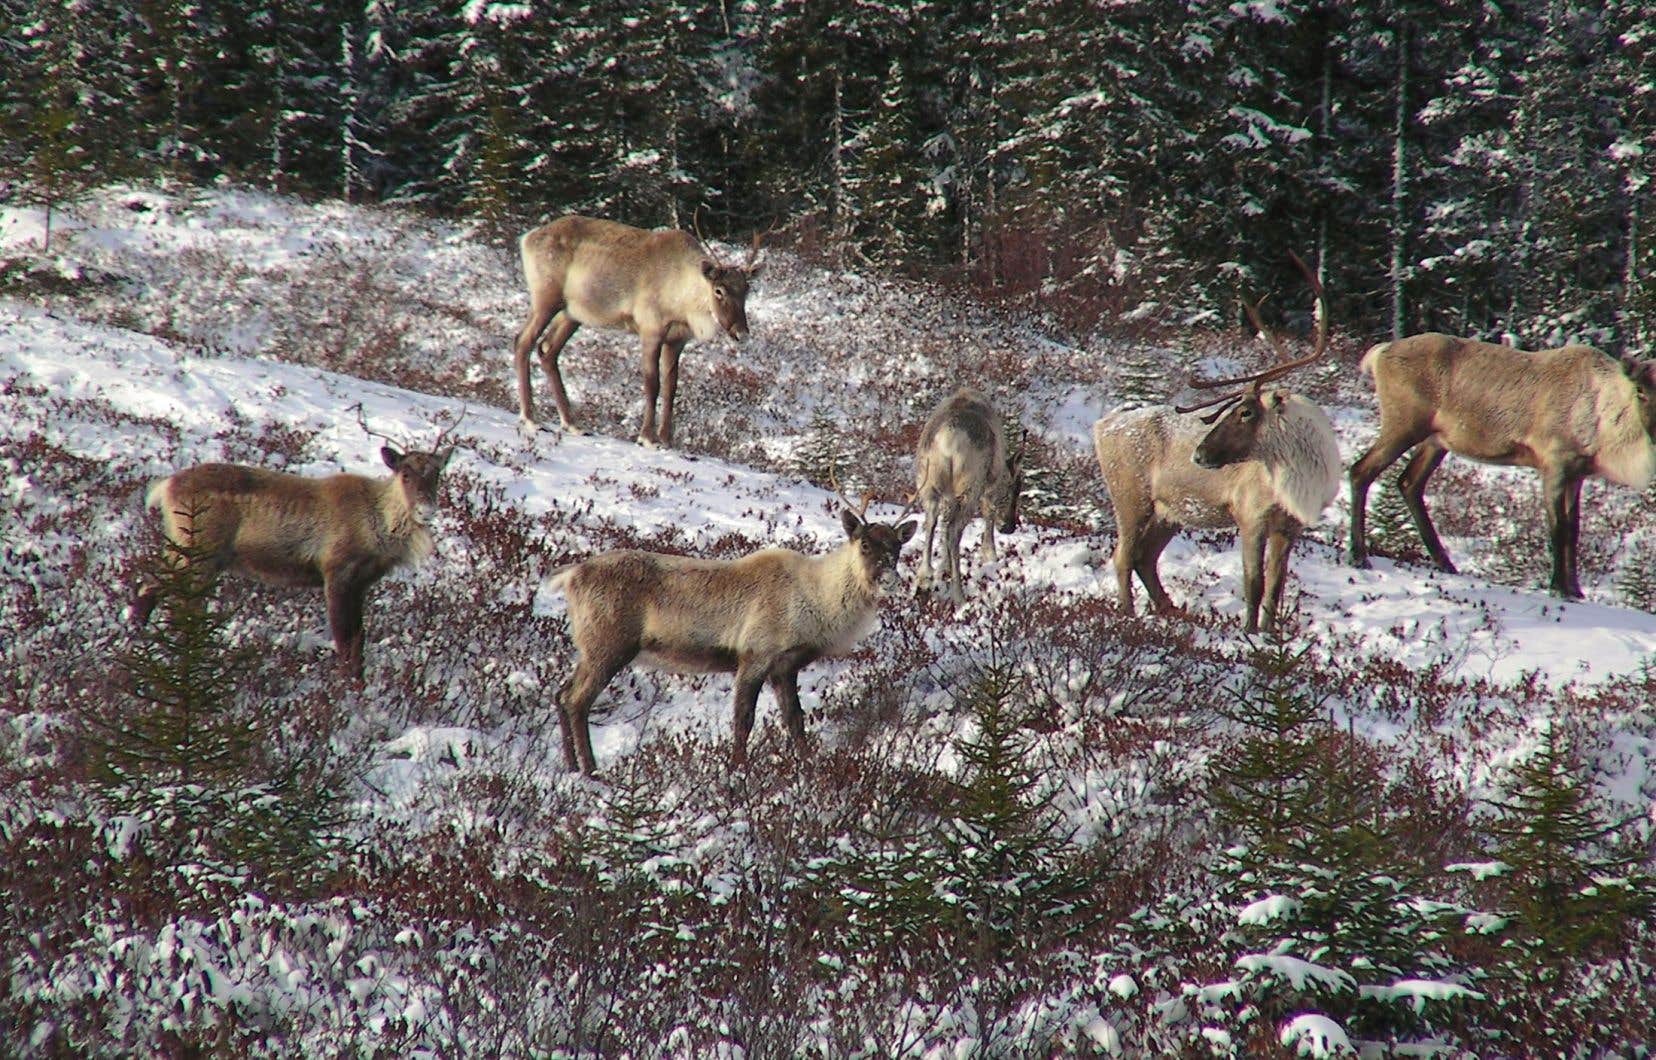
[171, 330]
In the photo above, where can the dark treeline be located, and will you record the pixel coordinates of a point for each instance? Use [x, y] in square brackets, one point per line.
[1477, 166]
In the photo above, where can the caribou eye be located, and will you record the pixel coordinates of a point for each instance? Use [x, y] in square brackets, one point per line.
[1247, 414]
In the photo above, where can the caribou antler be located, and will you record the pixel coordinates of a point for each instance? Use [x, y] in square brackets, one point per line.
[756, 250]
[362, 421]
[701, 240]
[1286, 362]
[911, 504]
[867, 498]
[443, 432]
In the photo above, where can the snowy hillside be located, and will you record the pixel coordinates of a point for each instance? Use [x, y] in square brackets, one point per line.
[473, 901]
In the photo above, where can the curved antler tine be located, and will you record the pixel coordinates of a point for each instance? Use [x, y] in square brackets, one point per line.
[696, 230]
[362, 421]
[1270, 337]
[833, 483]
[1320, 312]
[443, 432]
[911, 504]
[1224, 400]
[1286, 362]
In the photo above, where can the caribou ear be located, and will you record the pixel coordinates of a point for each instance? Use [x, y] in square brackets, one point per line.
[755, 269]
[709, 269]
[852, 524]
[392, 458]
[443, 458]
[906, 531]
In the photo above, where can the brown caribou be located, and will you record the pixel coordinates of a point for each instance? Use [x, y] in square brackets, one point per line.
[341, 532]
[1570, 413]
[663, 285]
[762, 617]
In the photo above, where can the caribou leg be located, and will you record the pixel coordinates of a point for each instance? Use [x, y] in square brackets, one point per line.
[539, 316]
[1380, 456]
[1253, 573]
[669, 387]
[1563, 524]
[652, 387]
[1412, 484]
[1278, 545]
[563, 326]
[1153, 540]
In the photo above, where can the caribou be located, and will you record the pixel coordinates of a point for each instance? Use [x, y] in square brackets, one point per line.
[1268, 466]
[962, 465]
[763, 617]
[341, 532]
[665, 286]
[1570, 413]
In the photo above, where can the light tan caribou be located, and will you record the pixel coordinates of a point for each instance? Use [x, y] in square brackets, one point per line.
[1269, 466]
[962, 467]
[1570, 413]
[663, 285]
[341, 532]
[762, 617]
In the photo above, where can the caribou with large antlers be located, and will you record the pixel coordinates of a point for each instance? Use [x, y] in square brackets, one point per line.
[1268, 467]
[342, 533]
[1570, 413]
[665, 286]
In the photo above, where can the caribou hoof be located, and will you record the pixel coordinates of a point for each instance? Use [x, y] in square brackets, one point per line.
[527, 428]
[570, 428]
[648, 441]
[1360, 562]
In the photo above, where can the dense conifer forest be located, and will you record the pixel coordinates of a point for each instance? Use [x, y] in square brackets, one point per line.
[1474, 167]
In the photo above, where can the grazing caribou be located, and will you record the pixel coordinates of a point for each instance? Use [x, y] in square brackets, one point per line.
[1570, 413]
[665, 286]
[962, 466]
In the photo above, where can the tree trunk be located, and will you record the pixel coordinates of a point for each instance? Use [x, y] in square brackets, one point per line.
[1399, 203]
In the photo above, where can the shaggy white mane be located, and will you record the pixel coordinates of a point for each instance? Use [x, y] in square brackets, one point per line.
[1299, 449]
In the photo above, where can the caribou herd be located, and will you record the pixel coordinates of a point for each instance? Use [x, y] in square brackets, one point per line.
[1264, 461]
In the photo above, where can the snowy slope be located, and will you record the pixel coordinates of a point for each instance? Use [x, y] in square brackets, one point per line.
[151, 355]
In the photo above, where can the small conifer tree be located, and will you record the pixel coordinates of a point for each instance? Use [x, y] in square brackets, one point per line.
[1391, 529]
[1015, 875]
[1566, 894]
[1313, 899]
[199, 772]
[183, 677]
[1141, 378]
[823, 457]
[1636, 582]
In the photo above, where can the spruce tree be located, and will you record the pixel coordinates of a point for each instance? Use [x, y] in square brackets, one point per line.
[1314, 903]
[824, 457]
[1013, 875]
[201, 773]
[46, 130]
[1566, 888]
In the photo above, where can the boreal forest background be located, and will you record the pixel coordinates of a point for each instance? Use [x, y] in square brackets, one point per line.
[1473, 166]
